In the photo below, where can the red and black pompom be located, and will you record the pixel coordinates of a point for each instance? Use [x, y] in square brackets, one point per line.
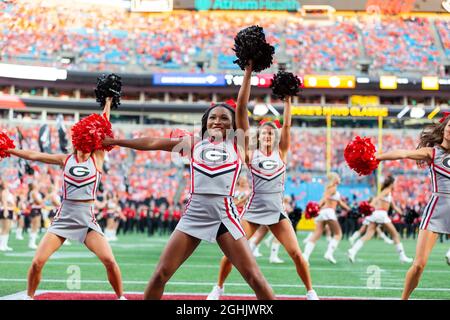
[360, 156]
[250, 44]
[89, 133]
[312, 210]
[285, 84]
[5, 144]
[365, 208]
[109, 86]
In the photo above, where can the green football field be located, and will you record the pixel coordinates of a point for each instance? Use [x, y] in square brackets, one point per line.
[376, 274]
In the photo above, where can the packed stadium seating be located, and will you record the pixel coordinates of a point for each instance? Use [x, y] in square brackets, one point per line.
[103, 38]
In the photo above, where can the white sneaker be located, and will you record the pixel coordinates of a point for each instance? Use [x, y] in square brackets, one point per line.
[67, 243]
[329, 257]
[19, 237]
[388, 241]
[122, 298]
[32, 246]
[8, 248]
[26, 297]
[351, 255]
[3, 249]
[215, 293]
[256, 253]
[275, 260]
[311, 295]
[405, 259]
[448, 259]
[268, 242]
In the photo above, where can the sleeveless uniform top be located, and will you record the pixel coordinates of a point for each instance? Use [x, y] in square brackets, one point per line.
[440, 170]
[268, 172]
[336, 196]
[81, 179]
[215, 167]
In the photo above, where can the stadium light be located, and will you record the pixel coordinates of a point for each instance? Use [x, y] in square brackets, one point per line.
[362, 80]
[30, 72]
[260, 109]
[417, 112]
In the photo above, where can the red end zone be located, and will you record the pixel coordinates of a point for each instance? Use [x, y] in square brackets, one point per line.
[136, 296]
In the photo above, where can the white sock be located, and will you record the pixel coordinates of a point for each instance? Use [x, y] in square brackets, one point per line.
[332, 245]
[309, 247]
[252, 244]
[357, 246]
[383, 235]
[448, 253]
[400, 249]
[19, 232]
[2, 242]
[108, 234]
[270, 238]
[274, 250]
[33, 236]
[308, 237]
[355, 235]
[5, 239]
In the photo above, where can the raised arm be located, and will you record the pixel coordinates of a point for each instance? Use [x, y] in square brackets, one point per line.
[242, 101]
[242, 123]
[99, 155]
[57, 159]
[285, 139]
[425, 154]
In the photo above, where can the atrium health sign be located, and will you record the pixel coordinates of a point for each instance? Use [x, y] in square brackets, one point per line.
[280, 5]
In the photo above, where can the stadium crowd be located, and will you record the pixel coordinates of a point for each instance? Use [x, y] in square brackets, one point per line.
[37, 32]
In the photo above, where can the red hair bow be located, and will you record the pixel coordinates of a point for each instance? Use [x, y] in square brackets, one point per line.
[229, 102]
[446, 114]
[276, 122]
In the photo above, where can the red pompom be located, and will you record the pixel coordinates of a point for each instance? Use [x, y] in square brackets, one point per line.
[5, 144]
[360, 156]
[180, 133]
[365, 208]
[312, 210]
[88, 134]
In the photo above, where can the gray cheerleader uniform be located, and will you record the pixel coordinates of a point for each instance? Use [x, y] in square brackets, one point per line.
[74, 218]
[436, 215]
[215, 168]
[265, 206]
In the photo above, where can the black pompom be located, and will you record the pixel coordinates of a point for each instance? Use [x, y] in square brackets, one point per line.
[250, 44]
[285, 84]
[109, 86]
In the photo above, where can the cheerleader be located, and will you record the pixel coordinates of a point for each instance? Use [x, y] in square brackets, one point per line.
[265, 207]
[380, 216]
[327, 216]
[37, 202]
[8, 205]
[433, 150]
[210, 214]
[74, 219]
[112, 216]
[22, 207]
